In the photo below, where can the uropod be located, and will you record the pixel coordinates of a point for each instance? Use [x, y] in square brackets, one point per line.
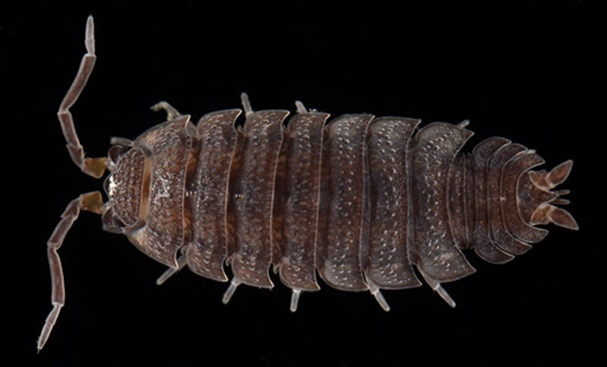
[367, 203]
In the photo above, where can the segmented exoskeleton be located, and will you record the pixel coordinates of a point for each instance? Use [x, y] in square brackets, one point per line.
[365, 202]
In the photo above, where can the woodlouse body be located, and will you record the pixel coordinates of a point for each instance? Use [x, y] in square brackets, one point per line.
[362, 201]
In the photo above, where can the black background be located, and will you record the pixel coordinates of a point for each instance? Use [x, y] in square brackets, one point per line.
[527, 70]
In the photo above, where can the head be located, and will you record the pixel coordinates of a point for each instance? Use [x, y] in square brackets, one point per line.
[123, 186]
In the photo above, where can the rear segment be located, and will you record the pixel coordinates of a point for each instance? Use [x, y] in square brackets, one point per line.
[538, 201]
[496, 200]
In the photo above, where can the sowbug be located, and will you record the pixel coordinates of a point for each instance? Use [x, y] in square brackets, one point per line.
[366, 202]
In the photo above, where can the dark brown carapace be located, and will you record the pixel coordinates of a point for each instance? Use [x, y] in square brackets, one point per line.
[367, 203]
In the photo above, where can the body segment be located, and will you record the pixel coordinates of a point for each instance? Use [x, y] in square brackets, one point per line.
[252, 195]
[166, 148]
[342, 233]
[300, 201]
[386, 255]
[207, 193]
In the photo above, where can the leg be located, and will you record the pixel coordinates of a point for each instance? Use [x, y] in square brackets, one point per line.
[121, 141]
[246, 104]
[463, 124]
[230, 291]
[182, 261]
[435, 285]
[170, 110]
[91, 166]
[90, 202]
[300, 108]
[374, 289]
[295, 299]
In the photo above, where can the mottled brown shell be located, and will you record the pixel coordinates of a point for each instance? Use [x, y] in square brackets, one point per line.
[362, 201]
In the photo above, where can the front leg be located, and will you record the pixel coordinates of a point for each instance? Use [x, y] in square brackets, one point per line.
[91, 166]
[90, 202]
